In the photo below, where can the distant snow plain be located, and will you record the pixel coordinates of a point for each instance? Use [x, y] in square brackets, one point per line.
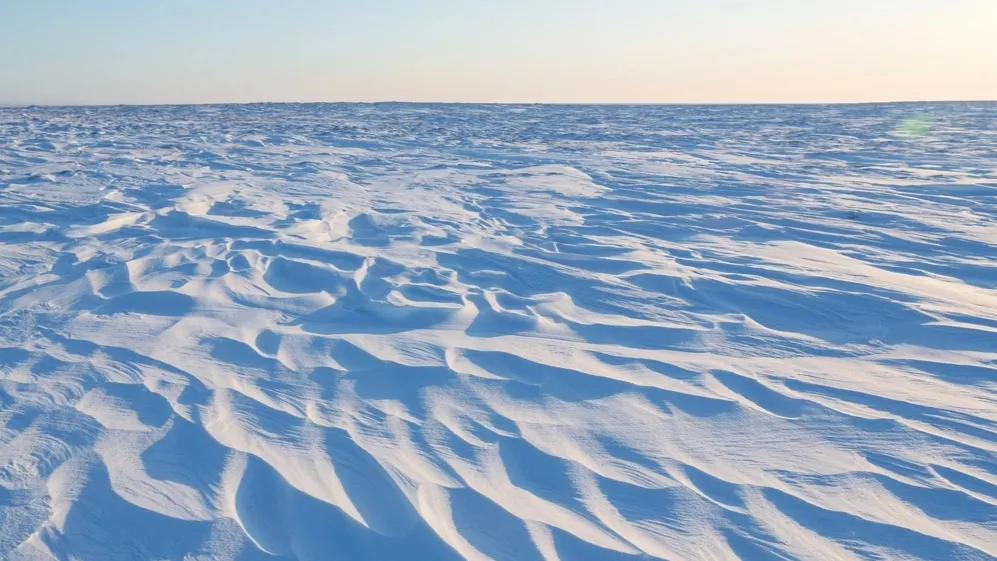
[319, 332]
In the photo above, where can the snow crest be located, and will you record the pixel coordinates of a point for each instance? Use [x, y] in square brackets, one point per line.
[313, 332]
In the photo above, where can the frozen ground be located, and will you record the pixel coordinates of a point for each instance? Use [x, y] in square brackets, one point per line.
[511, 333]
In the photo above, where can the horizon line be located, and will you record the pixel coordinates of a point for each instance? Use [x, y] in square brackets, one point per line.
[502, 103]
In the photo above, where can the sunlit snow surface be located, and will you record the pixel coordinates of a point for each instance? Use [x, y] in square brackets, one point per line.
[413, 332]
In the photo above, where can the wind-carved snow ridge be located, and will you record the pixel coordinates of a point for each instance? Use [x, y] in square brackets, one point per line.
[516, 333]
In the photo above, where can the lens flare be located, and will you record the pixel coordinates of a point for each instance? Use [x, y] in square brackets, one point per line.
[913, 127]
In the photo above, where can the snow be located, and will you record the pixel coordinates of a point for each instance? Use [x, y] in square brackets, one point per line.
[312, 332]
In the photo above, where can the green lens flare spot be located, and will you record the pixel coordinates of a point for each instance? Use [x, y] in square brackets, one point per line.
[913, 127]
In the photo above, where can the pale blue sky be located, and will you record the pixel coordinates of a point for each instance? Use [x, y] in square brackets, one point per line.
[195, 51]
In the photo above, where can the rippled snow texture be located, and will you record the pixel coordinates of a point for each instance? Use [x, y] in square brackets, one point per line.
[517, 333]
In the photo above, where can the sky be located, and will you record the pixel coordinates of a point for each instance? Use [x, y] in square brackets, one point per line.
[554, 51]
